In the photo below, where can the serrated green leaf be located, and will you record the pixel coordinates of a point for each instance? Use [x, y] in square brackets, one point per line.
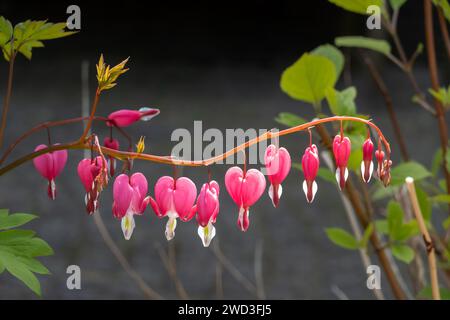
[408, 169]
[334, 54]
[15, 220]
[357, 6]
[32, 247]
[309, 78]
[442, 95]
[403, 253]
[13, 235]
[33, 265]
[6, 30]
[397, 4]
[289, 119]
[381, 46]
[342, 238]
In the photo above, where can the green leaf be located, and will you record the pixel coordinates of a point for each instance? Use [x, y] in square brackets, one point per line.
[342, 238]
[394, 218]
[381, 226]
[408, 169]
[323, 173]
[334, 54]
[33, 265]
[342, 103]
[424, 203]
[366, 236]
[446, 223]
[381, 46]
[20, 271]
[14, 235]
[289, 119]
[357, 6]
[442, 95]
[445, 6]
[396, 4]
[403, 253]
[355, 159]
[6, 30]
[4, 212]
[441, 198]
[428, 294]
[309, 78]
[15, 220]
[382, 192]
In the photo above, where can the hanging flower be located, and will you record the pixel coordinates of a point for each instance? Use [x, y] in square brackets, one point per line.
[245, 188]
[50, 165]
[379, 155]
[90, 172]
[129, 199]
[111, 144]
[341, 151]
[207, 211]
[310, 166]
[174, 199]
[126, 117]
[367, 164]
[278, 164]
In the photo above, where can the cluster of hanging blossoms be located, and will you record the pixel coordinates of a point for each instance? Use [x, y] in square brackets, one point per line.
[177, 197]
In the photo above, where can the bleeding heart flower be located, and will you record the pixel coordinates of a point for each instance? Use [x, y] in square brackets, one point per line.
[111, 144]
[207, 211]
[367, 164]
[341, 151]
[245, 188]
[379, 155]
[278, 164]
[174, 199]
[90, 172]
[126, 117]
[50, 165]
[129, 199]
[310, 166]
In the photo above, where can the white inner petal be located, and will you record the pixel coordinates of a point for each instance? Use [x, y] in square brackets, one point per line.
[206, 234]
[170, 228]
[128, 225]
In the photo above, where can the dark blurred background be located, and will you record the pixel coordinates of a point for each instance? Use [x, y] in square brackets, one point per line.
[220, 63]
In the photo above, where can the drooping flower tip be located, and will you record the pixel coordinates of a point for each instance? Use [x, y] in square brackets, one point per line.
[341, 151]
[367, 164]
[207, 210]
[278, 165]
[49, 166]
[245, 189]
[88, 170]
[126, 117]
[310, 166]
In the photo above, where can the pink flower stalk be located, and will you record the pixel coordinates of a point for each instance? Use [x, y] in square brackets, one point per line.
[278, 164]
[174, 199]
[129, 199]
[50, 165]
[310, 166]
[111, 144]
[90, 173]
[126, 117]
[207, 211]
[245, 188]
[341, 151]
[367, 164]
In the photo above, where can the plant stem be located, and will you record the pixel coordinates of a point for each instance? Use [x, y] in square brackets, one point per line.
[426, 238]
[433, 70]
[444, 31]
[7, 99]
[354, 199]
[123, 155]
[388, 101]
[91, 117]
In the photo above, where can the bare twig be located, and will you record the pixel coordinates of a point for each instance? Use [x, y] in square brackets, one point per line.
[8, 94]
[259, 277]
[426, 238]
[444, 31]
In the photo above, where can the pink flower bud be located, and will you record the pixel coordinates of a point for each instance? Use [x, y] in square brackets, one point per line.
[367, 164]
[310, 166]
[50, 165]
[341, 151]
[126, 117]
[207, 211]
[278, 164]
